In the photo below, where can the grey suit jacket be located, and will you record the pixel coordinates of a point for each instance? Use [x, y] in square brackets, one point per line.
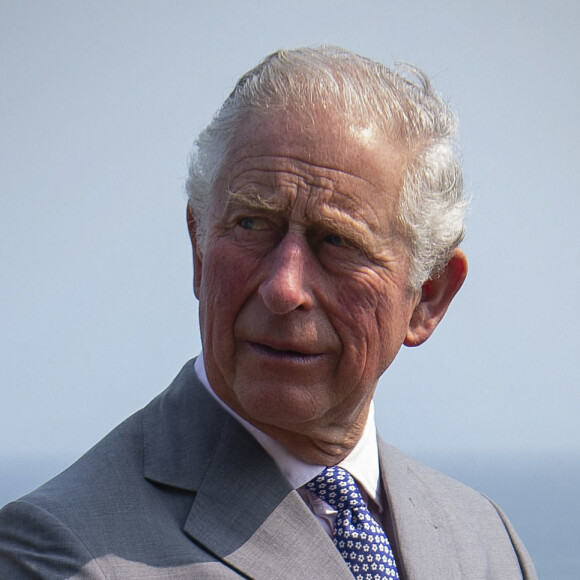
[181, 490]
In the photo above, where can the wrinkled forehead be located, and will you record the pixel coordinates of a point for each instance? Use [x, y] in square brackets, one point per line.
[322, 148]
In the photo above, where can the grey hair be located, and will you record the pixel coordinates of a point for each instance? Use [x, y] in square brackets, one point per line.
[402, 103]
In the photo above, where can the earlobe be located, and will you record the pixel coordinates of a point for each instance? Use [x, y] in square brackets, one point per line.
[436, 295]
[197, 261]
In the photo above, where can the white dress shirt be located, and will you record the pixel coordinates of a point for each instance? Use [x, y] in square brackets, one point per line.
[362, 462]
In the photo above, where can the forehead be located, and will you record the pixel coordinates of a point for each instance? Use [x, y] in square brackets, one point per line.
[315, 160]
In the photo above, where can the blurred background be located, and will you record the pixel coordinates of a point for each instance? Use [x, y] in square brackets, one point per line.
[99, 105]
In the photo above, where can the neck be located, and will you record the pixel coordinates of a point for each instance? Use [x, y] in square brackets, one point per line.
[317, 446]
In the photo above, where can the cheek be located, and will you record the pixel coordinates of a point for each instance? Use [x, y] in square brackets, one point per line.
[228, 269]
[225, 286]
[359, 298]
[372, 316]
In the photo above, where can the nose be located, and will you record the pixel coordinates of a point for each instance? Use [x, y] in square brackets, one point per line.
[286, 288]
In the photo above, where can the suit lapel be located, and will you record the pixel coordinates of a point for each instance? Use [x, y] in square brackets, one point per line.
[425, 548]
[258, 525]
[244, 512]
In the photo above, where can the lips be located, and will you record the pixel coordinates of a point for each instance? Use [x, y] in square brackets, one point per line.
[283, 351]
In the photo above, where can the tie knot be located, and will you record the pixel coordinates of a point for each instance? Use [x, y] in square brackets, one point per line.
[337, 488]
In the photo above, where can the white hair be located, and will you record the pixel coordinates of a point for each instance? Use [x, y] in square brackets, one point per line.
[401, 103]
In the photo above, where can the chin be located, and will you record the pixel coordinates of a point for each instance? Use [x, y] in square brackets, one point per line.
[279, 406]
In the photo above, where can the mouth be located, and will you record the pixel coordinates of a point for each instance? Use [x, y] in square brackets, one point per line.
[283, 354]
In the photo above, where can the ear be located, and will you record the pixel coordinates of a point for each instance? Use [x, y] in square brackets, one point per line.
[197, 261]
[436, 295]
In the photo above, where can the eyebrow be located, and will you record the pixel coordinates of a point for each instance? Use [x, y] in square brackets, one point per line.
[250, 197]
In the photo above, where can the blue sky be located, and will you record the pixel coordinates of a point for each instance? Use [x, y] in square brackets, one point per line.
[100, 103]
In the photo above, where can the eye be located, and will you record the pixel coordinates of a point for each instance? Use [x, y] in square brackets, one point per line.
[335, 240]
[253, 223]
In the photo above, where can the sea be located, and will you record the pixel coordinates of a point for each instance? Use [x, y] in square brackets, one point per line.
[539, 492]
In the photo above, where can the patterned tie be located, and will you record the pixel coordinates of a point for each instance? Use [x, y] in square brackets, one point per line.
[359, 538]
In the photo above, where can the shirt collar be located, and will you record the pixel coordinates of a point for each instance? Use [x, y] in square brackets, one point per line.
[362, 462]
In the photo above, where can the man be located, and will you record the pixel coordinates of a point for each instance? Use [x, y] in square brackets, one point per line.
[325, 214]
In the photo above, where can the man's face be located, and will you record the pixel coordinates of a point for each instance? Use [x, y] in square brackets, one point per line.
[302, 283]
